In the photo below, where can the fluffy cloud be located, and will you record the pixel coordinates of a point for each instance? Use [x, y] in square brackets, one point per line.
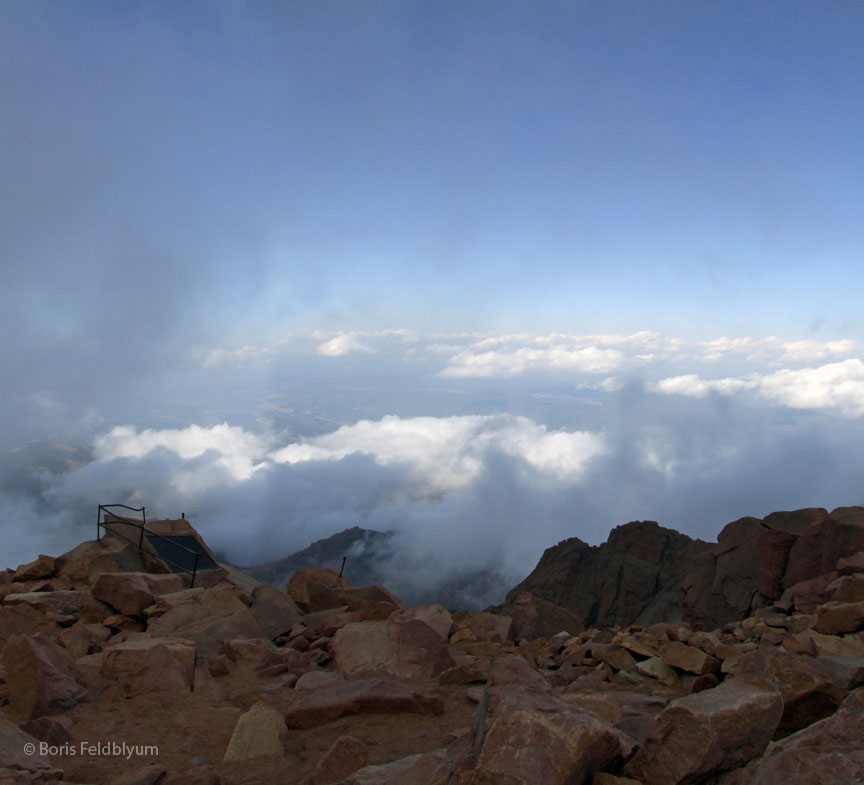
[346, 343]
[695, 387]
[590, 359]
[837, 387]
[450, 452]
[232, 448]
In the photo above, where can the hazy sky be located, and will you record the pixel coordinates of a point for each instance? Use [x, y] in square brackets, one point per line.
[631, 230]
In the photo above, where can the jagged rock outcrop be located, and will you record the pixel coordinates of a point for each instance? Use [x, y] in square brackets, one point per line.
[646, 573]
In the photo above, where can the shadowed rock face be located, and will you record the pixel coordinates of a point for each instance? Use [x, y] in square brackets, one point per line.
[646, 573]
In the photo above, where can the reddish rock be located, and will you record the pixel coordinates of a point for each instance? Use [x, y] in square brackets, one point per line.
[303, 580]
[614, 656]
[468, 670]
[657, 669]
[65, 602]
[806, 596]
[484, 626]
[818, 549]
[436, 616]
[146, 665]
[41, 676]
[828, 752]
[364, 696]
[606, 706]
[14, 758]
[421, 769]
[258, 732]
[539, 739]
[835, 618]
[511, 669]
[847, 673]
[403, 650]
[808, 693]
[689, 658]
[344, 757]
[847, 588]
[835, 645]
[709, 733]
[644, 646]
[82, 639]
[216, 615]
[48, 730]
[127, 592]
[42, 567]
[274, 610]
[534, 617]
[315, 679]
[852, 565]
[23, 620]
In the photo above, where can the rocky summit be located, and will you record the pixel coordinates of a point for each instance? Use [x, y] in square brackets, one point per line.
[652, 659]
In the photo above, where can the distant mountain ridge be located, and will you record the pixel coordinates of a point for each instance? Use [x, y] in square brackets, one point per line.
[366, 551]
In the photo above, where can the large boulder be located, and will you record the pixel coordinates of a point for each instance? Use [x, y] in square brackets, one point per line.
[208, 619]
[708, 733]
[436, 616]
[24, 619]
[41, 677]
[534, 617]
[306, 583]
[398, 649]
[835, 618]
[87, 561]
[258, 732]
[274, 610]
[809, 694]
[40, 568]
[828, 752]
[64, 602]
[484, 626]
[538, 739]
[130, 593]
[145, 665]
[362, 696]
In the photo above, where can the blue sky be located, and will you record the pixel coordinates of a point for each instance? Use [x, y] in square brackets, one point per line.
[629, 233]
[690, 167]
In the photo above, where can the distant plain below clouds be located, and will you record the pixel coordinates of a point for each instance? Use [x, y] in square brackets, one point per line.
[553, 436]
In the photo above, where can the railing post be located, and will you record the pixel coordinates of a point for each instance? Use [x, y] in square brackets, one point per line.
[98, 527]
[194, 569]
[141, 538]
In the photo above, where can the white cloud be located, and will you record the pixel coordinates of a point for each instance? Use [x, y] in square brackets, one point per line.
[346, 343]
[810, 351]
[590, 359]
[694, 386]
[449, 452]
[836, 386]
[235, 449]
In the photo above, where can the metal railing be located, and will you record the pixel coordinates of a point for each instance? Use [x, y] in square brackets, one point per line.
[101, 523]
